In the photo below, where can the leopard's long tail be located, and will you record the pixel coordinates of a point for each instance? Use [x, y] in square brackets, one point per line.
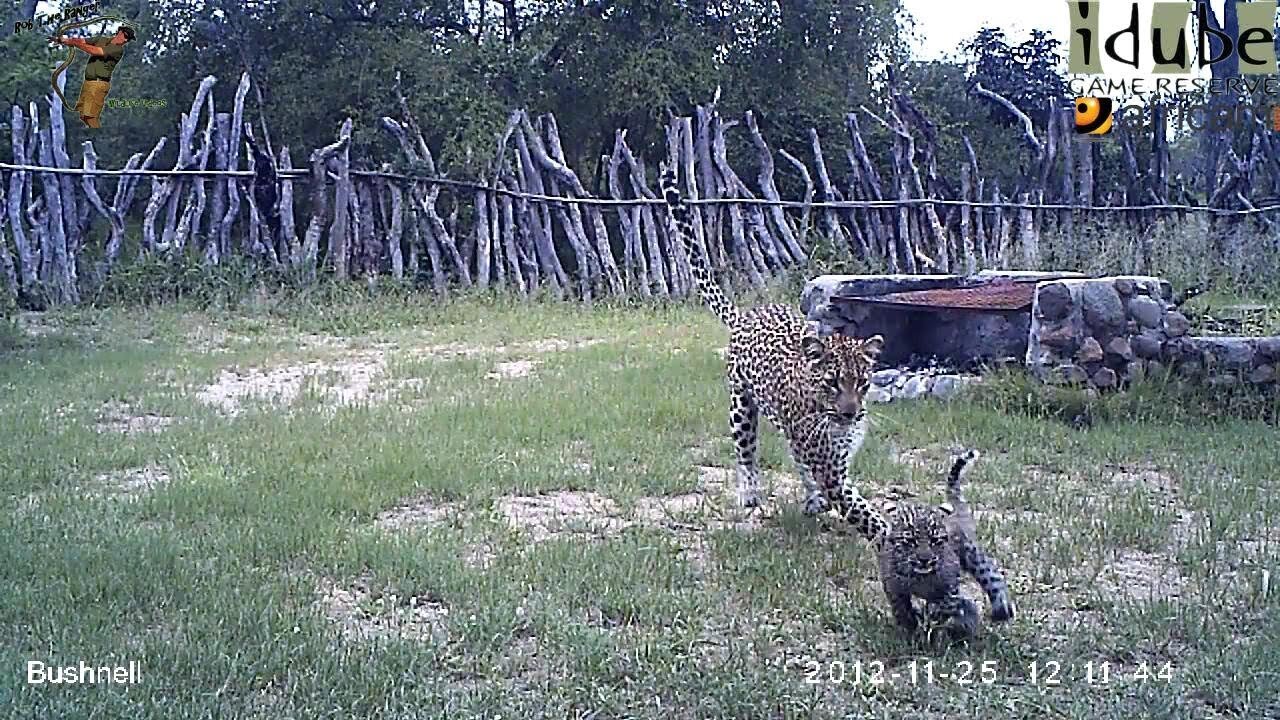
[682, 225]
[955, 489]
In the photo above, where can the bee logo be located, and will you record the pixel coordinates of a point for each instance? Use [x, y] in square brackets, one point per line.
[1093, 115]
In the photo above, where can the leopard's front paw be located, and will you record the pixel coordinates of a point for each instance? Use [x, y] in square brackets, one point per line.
[749, 497]
[816, 504]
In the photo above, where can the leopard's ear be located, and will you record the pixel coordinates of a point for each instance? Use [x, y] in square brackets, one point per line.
[872, 346]
[814, 350]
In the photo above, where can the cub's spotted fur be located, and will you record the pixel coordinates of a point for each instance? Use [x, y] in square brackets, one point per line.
[810, 388]
[922, 556]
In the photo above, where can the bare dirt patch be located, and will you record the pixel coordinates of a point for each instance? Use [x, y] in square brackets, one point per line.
[1142, 577]
[550, 345]
[133, 481]
[592, 516]
[362, 614]
[550, 515]
[930, 457]
[512, 369]
[1146, 476]
[119, 417]
[353, 376]
[418, 512]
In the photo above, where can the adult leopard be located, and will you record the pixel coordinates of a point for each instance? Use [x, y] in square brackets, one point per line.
[811, 389]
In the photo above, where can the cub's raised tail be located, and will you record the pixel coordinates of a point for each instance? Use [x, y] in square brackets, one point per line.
[955, 491]
[973, 558]
[682, 225]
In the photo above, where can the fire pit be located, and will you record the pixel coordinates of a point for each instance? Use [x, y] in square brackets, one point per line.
[957, 321]
[1066, 328]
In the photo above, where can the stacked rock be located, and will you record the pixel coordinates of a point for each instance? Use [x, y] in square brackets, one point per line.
[1106, 332]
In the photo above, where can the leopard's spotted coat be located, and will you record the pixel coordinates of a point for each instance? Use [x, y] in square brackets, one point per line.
[810, 388]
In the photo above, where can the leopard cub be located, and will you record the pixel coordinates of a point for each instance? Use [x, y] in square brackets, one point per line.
[923, 553]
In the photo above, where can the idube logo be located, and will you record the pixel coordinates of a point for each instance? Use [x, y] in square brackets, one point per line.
[1093, 115]
[1169, 49]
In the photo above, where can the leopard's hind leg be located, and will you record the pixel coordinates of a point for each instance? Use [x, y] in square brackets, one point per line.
[983, 568]
[744, 424]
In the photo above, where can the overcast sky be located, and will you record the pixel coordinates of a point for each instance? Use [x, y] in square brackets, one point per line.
[942, 26]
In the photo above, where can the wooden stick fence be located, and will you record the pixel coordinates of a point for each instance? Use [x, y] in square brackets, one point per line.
[530, 224]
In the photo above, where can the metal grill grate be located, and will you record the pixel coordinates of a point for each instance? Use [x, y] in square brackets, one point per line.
[988, 296]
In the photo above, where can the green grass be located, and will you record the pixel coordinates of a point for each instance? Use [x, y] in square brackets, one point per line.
[214, 581]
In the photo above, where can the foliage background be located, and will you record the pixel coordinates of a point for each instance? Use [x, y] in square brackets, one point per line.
[598, 65]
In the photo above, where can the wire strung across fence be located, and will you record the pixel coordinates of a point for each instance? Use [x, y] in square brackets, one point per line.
[300, 174]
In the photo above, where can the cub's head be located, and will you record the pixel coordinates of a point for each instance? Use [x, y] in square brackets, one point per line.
[840, 369]
[917, 540]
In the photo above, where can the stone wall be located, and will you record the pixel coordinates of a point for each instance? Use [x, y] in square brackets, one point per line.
[1221, 360]
[1106, 332]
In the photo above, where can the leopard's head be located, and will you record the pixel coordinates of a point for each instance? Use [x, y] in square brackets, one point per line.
[840, 369]
[917, 540]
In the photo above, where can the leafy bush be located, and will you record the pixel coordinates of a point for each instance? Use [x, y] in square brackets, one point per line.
[156, 278]
[11, 335]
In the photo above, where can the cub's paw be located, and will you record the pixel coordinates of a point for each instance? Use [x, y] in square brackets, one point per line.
[1002, 610]
[964, 623]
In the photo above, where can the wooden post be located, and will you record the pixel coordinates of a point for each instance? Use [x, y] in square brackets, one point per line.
[966, 226]
[19, 187]
[559, 167]
[483, 241]
[879, 221]
[217, 245]
[61, 278]
[233, 161]
[770, 190]
[633, 258]
[1027, 235]
[760, 245]
[7, 271]
[320, 199]
[513, 255]
[648, 232]
[710, 187]
[339, 242]
[66, 185]
[288, 232]
[397, 230]
[189, 224]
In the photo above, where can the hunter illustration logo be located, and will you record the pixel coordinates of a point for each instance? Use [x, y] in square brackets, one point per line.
[105, 52]
[1093, 115]
[1254, 44]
